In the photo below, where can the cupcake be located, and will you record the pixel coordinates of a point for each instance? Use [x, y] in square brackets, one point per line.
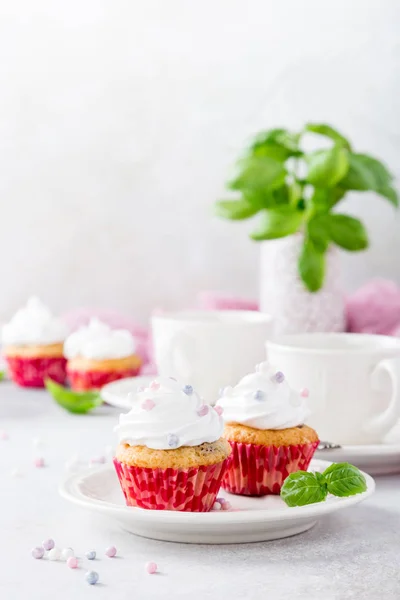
[264, 424]
[33, 345]
[170, 455]
[97, 355]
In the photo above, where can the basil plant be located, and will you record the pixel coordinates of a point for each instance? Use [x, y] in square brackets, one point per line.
[297, 191]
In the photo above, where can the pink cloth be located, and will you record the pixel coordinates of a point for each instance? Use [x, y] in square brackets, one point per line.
[219, 301]
[374, 308]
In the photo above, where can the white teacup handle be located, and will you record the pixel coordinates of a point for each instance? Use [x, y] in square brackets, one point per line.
[382, 424]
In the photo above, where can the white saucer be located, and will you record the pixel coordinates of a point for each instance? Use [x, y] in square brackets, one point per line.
[379, 459]
[250, 520]
[116, 392]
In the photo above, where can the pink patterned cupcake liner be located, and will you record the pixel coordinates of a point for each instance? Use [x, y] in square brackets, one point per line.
[256, 470]
[193, 489]
[89, 380]
[32, 372]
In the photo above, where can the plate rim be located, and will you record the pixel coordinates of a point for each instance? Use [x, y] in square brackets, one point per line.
[107, 394]
[68, 489]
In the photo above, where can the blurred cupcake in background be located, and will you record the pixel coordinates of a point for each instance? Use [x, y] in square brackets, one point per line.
[264, 424]
[171, 453]
[97, 354]
[32, 344]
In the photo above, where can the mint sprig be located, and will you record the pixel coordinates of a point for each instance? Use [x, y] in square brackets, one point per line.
[339, 479]
[74, 402]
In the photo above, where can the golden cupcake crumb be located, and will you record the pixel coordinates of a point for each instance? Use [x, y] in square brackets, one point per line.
[184, 457]
[270, 437]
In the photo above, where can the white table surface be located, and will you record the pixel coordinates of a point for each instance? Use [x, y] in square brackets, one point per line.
[351, 554]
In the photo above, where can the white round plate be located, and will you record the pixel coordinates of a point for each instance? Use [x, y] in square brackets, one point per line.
[250, 520]
[379, 459]
[116, 392]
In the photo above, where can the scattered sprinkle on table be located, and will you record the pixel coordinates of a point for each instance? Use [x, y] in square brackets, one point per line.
[38, 552]
[111, 551]
[90, 554]
[92, 577]
[39, 462]
[72, 562]
[151, 567]
[54, 554]
[67, 553]
[217, 506]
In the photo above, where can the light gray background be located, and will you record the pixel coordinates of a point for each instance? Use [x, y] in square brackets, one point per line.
[120, 120]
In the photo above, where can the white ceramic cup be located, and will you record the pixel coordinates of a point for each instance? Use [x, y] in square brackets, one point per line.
[209, 349]
[353, 382]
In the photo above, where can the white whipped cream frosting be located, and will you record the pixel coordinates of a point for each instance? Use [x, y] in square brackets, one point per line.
[32, 325]
[98, 341]
[167, 415]
[264, 400]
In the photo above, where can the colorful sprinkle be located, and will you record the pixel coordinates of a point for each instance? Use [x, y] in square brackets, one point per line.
[38, 552]
[48, 544]
[4, 435]
[67, 553]
[111, 551]
[72, 562]
[90, 554]
[92, 577]
[39, 462]
[219, 410]
[226, 505]
[203, 410]
[221, 500]
[304, 393]
[54, 554]
[172, 440]
[151, 567]
[188, 390]
[217, 506]
[154, 385]
[148, 404]
[279, 377]
[259, 395]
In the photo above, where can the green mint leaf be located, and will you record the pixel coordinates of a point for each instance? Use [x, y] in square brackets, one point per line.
[278, 222]
[303, 488]
[258, 173]
[347, 232]
[328, 131]
[327, 167]
[343, 479]
[235, 209]
[276, 143]
[312, 266]
[74, 402]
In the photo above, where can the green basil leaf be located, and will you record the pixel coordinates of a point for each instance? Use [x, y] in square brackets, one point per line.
[328, 131]
[303, 488]
[323, 199]
[258, 173]
[2, 375]
[278, 222]
[343, 479]
[347, 232]
[327, 167]
[235, 209]
[74, 402]
[312, 266]
[317, 231]
[390, 193]
[276, 143]
[368, 173]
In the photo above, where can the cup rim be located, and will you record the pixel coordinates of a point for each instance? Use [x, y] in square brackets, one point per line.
[209, 318]
[292, 342]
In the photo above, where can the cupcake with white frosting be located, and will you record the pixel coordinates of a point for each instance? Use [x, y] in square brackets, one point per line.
[265, 426]
[171, 454]
[32, 343]
[97, 355]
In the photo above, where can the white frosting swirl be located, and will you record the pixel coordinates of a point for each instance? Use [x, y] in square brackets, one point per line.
[264, 400]
[33, 324]
[168, 415]
[98, 341]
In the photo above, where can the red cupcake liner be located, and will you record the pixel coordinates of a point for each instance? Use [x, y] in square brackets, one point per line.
[256, 470]
[193, 489]
[32, 372]
[89, 380]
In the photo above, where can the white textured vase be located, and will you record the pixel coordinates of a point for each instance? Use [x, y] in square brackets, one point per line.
[284, 296]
